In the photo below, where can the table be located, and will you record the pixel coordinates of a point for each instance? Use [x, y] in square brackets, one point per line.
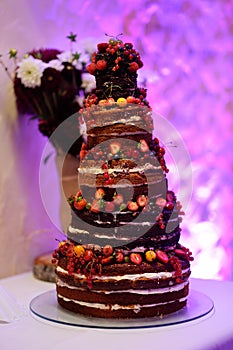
[214, 331]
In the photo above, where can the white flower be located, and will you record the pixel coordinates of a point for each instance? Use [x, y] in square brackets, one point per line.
[88, 82]
[84, 57]
[65, 56]
[30, 71]
[68, 56]
[56, 64]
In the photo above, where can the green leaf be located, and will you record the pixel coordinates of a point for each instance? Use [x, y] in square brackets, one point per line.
[76, 55]
[72, 37]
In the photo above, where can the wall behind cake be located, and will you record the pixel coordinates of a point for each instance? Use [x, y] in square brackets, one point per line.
[187, 51]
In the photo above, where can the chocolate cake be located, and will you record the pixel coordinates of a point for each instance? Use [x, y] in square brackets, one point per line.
[122, 257]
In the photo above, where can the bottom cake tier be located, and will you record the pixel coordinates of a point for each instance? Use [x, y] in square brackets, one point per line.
[132, 288]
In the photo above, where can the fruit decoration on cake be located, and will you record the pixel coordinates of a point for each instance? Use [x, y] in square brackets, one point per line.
[122, 257]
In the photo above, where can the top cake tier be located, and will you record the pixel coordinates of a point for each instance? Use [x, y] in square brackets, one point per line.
[115, 66]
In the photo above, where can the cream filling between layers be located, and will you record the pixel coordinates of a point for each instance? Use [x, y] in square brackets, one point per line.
[135, 307]
[146, 275]
[173, 288]
[99, 171]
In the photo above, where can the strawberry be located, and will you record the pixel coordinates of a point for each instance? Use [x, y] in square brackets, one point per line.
[81, 204]
[143, 146]
[109, 206]
[135, 258]
[142, 200]
[118, 199]
[79, 193]
[102, 47]
[119, 257]
[99, 194]
[132, 206]
[133, 67]
[107, 260]
[107, 250]
[101, 65]
[162, 256]
[91, 68]
[95, 207]
[115, 147]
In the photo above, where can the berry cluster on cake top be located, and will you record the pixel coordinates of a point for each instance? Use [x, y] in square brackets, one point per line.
[115, 65]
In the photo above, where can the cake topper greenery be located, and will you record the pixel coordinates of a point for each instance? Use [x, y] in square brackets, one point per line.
[50, 84]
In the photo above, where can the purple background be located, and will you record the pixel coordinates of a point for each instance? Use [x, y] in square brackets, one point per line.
[187, 50]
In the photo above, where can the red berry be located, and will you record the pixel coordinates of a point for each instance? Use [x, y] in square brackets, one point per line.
[102, 47]
[170, 205]
[101, 64]
[135, 258]
[91, 68]
[170, 196]
[133, 67]
[88, 255]
[162, 256]
[107, 250]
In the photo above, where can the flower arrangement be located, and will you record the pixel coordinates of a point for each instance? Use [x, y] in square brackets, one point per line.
[50, 85]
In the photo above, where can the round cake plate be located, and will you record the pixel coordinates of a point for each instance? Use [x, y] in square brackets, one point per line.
[45, 306]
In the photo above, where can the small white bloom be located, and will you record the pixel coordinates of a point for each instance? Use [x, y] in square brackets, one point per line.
[84, 57]
[77, 64]
[30, 71]
[88, 82]
[65, 56]
[56, 64]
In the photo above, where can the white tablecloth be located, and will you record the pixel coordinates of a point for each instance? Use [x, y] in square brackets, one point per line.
[214, 331]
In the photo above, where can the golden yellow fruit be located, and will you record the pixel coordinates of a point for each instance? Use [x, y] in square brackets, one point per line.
[121, 101]
[150, 255]
[79, 250]
[60, 244]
